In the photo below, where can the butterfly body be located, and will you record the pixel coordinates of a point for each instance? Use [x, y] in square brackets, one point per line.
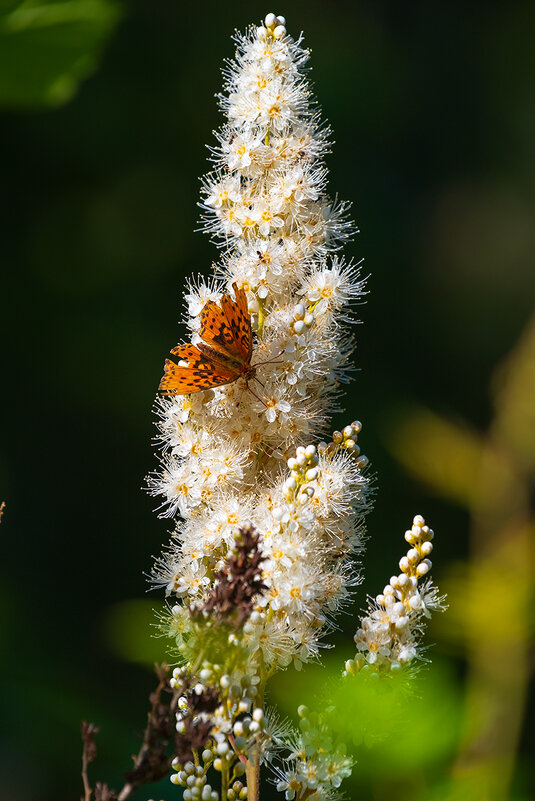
[223, 353]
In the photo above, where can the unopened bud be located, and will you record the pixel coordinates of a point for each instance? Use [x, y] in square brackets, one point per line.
[423, 568]
[404, 564]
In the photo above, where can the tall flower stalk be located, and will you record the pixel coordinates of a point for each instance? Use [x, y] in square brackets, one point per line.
[269, 511]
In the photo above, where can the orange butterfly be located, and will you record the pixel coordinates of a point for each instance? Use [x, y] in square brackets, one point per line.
[223, 356]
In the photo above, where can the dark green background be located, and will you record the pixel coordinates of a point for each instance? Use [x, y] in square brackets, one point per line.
[433, 112]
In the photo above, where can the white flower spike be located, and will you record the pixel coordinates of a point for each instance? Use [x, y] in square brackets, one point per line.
[268, 518]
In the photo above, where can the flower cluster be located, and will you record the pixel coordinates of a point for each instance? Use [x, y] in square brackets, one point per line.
[318, 764]
[227, 450]
[389, 635]
[268, 517]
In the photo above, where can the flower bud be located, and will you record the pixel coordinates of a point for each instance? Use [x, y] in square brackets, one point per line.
[404, 564]
[423, 568]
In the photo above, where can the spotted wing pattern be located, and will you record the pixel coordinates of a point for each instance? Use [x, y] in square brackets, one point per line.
[223, 354]
[239, 320]
[200, 373]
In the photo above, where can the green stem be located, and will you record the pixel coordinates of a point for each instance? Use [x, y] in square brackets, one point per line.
[224, 783]
[252, 768]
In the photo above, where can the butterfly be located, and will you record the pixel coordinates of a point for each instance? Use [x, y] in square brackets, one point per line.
[222, 356]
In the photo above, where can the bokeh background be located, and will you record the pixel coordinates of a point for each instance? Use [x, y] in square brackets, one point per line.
[105, 109]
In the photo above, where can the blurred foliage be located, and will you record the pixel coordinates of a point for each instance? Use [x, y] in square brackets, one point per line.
[385, 725]
[47, 48]
[432, 108]
[446, 455]
[491, 620]
[131, 633]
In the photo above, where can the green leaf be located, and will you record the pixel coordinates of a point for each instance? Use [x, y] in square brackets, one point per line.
[46, 48]
[391, 725]
[399, 725]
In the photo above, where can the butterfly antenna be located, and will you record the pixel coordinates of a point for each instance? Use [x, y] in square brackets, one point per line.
[271, 361]
[256, 396]
[241, 396]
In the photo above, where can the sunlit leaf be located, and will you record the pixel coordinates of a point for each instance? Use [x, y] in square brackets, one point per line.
[514, 397]
[47, 48]
[440, 453]
[398, 725]
[505, 619]
[390, 725]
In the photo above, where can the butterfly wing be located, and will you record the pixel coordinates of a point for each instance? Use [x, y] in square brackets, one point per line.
[199, 373]
[227, 327]
[239, 320]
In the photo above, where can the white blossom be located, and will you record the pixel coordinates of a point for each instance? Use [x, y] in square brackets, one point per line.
[246, 456]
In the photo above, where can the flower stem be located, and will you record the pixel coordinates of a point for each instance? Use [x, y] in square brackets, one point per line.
[252, 773]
